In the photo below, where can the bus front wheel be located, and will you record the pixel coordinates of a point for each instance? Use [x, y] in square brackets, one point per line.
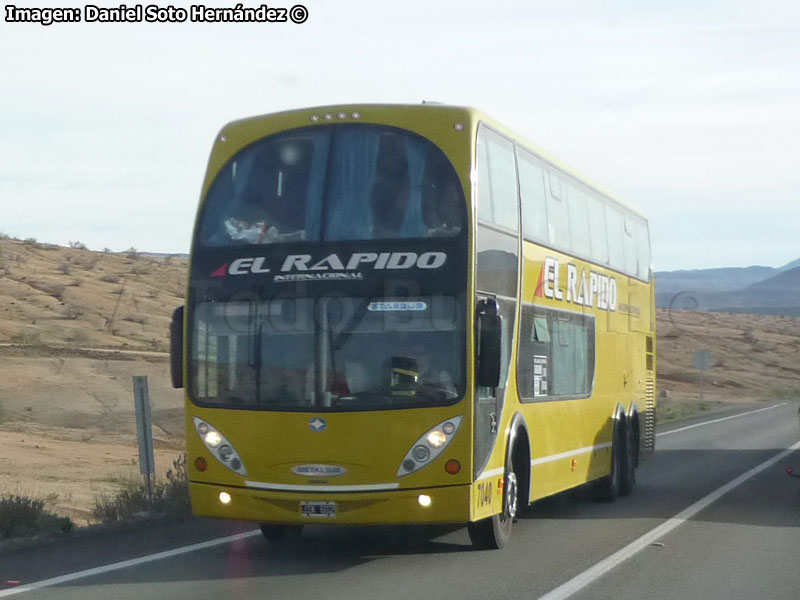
[494, 532]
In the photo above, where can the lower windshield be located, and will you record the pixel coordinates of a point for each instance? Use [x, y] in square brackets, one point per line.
[328, 353]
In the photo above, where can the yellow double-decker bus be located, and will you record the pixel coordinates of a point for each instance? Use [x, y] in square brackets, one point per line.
[405, 314]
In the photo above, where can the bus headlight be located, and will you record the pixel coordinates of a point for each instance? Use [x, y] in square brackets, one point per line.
[429, 446]
[220, 447]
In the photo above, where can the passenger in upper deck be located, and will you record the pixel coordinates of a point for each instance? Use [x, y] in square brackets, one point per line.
[389, 205]
[441, 195]
[268, 206]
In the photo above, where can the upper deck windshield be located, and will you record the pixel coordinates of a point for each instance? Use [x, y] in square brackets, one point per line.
[334, 183]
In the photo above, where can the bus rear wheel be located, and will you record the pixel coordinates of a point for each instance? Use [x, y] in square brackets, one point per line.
[275, 533]
[628, 470]
[608, 488]
[494, 532]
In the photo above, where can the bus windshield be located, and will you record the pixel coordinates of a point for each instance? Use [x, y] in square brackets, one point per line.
[328, 353]
[333, 183]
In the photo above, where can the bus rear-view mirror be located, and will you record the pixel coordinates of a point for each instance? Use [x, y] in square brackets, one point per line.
[490, 325]
[176, 347]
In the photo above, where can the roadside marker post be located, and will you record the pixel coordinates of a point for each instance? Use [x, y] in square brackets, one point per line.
[701, 359]
[144, 431]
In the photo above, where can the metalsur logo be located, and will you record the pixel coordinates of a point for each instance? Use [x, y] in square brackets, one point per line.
[319, 470]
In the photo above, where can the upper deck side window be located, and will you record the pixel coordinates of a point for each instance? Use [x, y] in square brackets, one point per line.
[344, 182]
[497, 180]
[560, 212]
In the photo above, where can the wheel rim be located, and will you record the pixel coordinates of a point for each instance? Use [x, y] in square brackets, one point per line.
[511, 495]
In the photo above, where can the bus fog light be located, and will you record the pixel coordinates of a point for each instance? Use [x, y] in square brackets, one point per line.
[424, 500]
[225, 497]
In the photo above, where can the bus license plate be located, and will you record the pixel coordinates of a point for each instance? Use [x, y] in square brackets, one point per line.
[318, 509]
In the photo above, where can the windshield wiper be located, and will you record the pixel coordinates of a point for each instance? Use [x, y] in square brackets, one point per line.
[258, 361]
[255, 329]
[355, 320]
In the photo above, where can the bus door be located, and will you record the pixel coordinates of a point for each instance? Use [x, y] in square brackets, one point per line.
[497, 275]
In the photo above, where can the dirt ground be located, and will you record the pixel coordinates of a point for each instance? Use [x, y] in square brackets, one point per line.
[67, 427]
[68, 471]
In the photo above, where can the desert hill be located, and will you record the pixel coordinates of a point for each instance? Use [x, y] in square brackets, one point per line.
[69, 296]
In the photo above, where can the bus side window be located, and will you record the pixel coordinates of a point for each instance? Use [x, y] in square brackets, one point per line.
[532, 196]
[578, 221]
[629, 246]
[597, 229]
[556, 354]
[497, 199]
[557, 214]
[616, 253]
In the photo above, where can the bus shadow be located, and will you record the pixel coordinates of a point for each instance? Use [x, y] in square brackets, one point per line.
[322, 550]
[670, 481]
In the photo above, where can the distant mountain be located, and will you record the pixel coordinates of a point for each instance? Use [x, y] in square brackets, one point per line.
[710, 280]
[791, 265]
[761, 290]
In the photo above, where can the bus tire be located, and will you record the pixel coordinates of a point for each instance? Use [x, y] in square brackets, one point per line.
[275, 533]
[494, 532]
[628, 471]
[608, 488]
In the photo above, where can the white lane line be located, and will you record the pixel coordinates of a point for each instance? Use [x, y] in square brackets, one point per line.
[578, 583]
[37, 585]
[744, 414]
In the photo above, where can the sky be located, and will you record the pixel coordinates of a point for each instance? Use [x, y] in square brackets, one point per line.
[688, 110]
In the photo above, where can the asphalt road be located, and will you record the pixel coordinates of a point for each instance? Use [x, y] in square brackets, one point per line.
[713, 516]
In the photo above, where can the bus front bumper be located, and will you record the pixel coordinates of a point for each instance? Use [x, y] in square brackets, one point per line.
[448, 504]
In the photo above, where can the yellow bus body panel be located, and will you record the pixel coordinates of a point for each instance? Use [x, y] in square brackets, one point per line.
[569, 439]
